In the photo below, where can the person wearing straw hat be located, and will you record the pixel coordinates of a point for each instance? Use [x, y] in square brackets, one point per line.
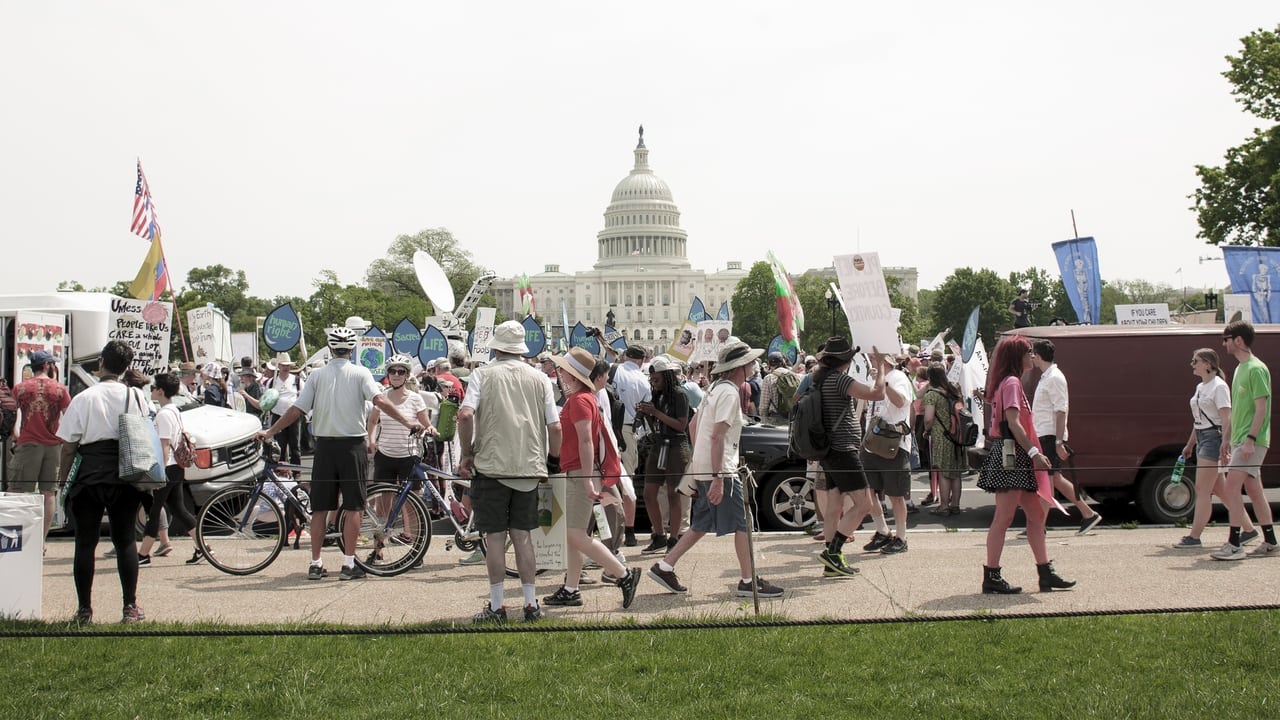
[250, 391]
[506, 424]
[583, 448]
[719, 505]
[288, 385]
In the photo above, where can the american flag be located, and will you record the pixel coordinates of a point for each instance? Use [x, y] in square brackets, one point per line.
[145, 223]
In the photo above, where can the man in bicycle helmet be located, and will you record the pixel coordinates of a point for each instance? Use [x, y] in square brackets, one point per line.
[335, 396]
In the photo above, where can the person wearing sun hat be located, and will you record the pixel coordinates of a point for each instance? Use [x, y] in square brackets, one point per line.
[509, 432]
[288, 386]
[719, 505]
[250, 391]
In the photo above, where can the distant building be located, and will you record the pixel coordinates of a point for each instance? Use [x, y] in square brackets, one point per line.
[642, 273]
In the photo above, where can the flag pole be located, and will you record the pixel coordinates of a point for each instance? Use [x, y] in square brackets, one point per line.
[177, 314]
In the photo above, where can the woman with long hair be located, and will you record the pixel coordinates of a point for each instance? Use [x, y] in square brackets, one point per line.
[947, 459]
[1012, 465]
[175, 495]
[1210, 423]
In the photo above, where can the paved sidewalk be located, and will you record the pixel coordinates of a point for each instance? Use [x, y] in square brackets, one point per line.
[940, 575]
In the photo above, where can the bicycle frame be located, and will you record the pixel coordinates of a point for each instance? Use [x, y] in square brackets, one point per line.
[268, 477]
[426, 474]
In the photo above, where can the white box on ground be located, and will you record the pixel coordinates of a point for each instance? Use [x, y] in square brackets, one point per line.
[550, 546]
[21, 554]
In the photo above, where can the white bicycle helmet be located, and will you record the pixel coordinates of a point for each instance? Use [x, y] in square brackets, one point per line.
[401, 360]
[341, 338]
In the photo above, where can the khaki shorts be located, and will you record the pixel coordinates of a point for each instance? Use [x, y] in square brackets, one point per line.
[1250, 465]
[577, 504]
[34, 468]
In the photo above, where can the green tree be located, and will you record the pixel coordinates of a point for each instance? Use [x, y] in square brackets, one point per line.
[1048, 290]
[755, 317]
[1239, 202]
[966, 288]
[912, 327]
[394, 275]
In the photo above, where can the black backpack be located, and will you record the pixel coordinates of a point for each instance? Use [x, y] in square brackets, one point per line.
[809, 437]
[961, 429]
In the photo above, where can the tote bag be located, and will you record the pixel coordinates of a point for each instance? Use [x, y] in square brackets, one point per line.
[141, 462]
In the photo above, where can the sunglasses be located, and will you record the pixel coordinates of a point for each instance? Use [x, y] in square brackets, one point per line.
[397, 371]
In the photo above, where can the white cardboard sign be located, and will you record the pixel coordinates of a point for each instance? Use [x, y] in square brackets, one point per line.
[872, 321]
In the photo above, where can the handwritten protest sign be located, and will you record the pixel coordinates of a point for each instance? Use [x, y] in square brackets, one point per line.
[144, 326]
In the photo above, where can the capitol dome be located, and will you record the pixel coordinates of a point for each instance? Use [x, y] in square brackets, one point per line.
[642, 223]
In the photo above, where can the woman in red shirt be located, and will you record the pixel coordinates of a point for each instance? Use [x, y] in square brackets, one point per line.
[582, 431]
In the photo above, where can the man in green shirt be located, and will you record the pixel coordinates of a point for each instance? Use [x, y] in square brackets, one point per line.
[1250, 438]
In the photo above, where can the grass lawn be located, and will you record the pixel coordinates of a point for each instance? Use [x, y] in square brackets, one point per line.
[1212, 665]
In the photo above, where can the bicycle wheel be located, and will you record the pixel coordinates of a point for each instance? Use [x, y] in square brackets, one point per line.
[233, 544]
[390, 549]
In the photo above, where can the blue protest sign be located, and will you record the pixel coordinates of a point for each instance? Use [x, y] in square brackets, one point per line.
[534, 337]
[405, 337]
[282, 329]
[578, 338]
[432, 346]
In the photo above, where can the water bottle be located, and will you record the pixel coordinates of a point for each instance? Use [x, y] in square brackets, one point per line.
[1179, 467]
[663, 448]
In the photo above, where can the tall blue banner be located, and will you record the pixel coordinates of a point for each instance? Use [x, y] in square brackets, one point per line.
[616, 340]
[406, 337]
[433, 345]
[534, 338]
[281, 330]
[723, 312]
[970, 337]
[1252, 270]
[790, 351]
[1078, 263]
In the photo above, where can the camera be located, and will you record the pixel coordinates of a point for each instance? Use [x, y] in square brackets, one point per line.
[1034, 305]
[593, 332]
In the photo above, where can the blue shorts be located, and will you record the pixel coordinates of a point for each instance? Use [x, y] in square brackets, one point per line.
[1208, 443]
[729, 516]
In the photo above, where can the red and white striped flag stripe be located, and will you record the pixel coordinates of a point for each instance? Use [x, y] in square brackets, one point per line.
[145, 223]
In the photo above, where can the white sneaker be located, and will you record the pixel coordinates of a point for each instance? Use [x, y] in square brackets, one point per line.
[1266, 549]
[1228, 552]
[475, 558]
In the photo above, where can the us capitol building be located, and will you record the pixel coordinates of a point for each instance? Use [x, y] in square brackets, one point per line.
[641, 279]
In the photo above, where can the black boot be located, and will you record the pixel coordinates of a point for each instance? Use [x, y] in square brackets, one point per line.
[1049, 579]
[993, 584]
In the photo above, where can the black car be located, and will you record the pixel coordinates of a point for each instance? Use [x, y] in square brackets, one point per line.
[784, 496]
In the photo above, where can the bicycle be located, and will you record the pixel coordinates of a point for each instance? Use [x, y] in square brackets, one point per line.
[241, 530]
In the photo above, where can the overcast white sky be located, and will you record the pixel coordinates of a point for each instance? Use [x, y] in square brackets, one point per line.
[288, 138]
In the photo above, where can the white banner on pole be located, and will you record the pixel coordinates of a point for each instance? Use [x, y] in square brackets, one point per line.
[210, 332]
[145, 326]
[866, 302]
[482, 334]
[1147, 314]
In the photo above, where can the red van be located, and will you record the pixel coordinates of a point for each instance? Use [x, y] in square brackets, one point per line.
[1130, 387]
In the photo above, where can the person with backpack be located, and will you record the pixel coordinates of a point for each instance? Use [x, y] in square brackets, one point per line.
[777, 391]
[848, 484]
[947, 457]
[667, 416]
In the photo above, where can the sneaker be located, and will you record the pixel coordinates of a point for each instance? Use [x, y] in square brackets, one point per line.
[671, 543]
[1248, 537]
[564, 598]
[840, 568]
[132, 614]
[197, 557]
[605, 577]
[897, 545]
[656, 545]
[667, 579]
[317, 572]
[764, 589]
[629, 538]
[144, 561]
[831, 560]
[878, 541]
[163, 550]
[589, 564]
[475, 558]
[585, 579]
[84, 616]
[111, 552]
[1022, 534]
[1266, 549]
[1188, 542]
[928, 500]
[533, 613]
[628, 585]
[912, 509]
[489, 615]
[1089, 523]
[814, 529]
[355, 572]
[1228, 552]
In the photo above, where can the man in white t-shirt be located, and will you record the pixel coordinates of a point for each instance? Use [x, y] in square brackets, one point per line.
[892, 476]
[288, 385]
[719, 504]
[1049, 415]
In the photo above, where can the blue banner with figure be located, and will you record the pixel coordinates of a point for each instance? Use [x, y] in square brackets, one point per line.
[281, 329]
[1252, 270]
[1078, 263]
[578, 337]
[534, 338]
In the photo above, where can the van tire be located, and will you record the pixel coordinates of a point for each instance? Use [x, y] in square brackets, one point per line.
[1162, 502]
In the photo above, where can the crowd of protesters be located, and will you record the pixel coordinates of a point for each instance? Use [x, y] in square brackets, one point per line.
[615, 423]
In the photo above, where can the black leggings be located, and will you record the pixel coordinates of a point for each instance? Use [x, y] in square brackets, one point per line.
[289, 440]
[121, 503]
[172, 496]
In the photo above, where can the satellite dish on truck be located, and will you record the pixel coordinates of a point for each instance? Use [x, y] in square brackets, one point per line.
[433, 281]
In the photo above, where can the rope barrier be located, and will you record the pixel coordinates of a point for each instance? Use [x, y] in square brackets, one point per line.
[73, 632]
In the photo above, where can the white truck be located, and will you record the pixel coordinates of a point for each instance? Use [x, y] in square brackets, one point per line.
[74, 326]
